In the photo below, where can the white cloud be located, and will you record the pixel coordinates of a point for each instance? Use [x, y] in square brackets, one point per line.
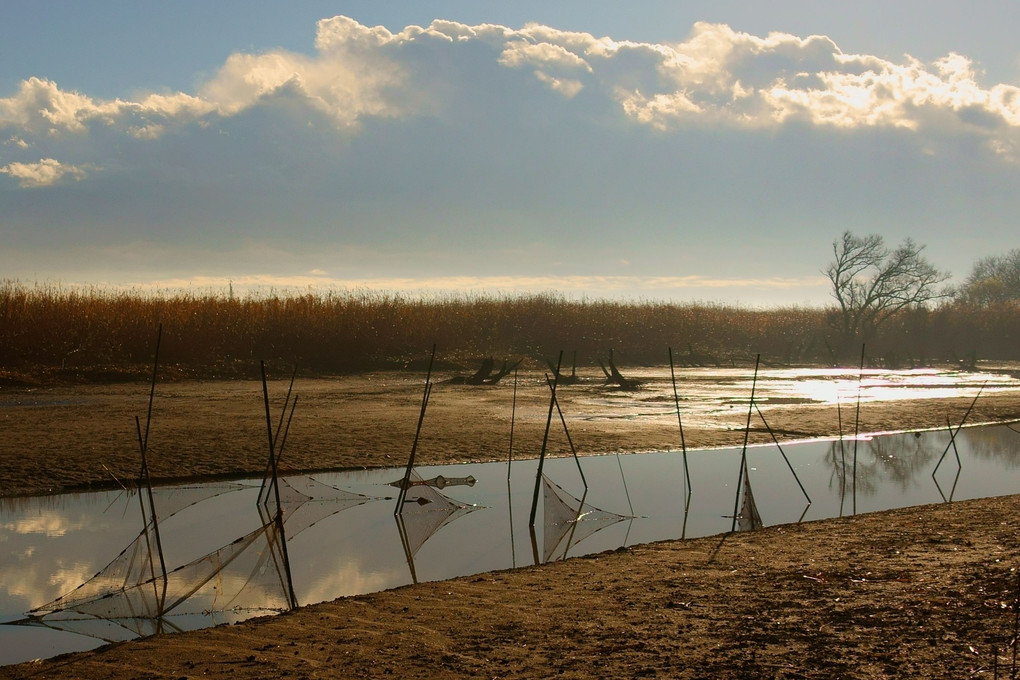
[41, 107]
[344, 85]
[724, 76]
[46, 172]
[541, 55]
[715, 77]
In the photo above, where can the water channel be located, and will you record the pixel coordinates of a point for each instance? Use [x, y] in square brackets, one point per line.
[80, 569]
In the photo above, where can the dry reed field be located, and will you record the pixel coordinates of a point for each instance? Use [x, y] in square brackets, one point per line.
[92, 334]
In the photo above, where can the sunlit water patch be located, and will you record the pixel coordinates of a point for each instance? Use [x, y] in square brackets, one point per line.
[705, 394]
[88, 565]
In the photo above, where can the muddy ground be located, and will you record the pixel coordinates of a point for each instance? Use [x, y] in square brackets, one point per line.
[925, 592]
[70, 437]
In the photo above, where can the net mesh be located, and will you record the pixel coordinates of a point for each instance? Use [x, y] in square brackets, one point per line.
[108, 630]
[426, 511]
[133, 566]
[569, 520]
[172, 499]
[748, 519]
[248, 573]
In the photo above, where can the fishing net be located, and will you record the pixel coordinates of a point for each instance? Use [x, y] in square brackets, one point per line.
[246, 575]
[426, 511]
[246, 571]
[569, 520]
[138, 562]
[133, 566]
[748, 519]
[108, 630]
[170, 500]
[249, 573]
[306, 501]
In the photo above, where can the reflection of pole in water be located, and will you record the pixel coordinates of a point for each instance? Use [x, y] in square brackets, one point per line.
[417, 433]
[510, 460]
[952, 434]
[513, 418]
[679, 422]
[842, 454]
[510, 514]
[743, 451]
[545, 439]
[408, 553]
[424, 513]
[276, 486]
[857, 423]
[143, 446]
[959, 466]
[626, 491]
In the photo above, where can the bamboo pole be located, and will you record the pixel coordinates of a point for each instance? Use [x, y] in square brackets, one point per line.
[509, 462]
[743, 451]
[783, 453]
[417, 434]
[143, 444]
[513, 418]
[959, 468]
[842, 454]
[857, 431]
[545, 441]
[952, 438]
[679, 422]
[276, 487]
[566, 431]
[268, 471]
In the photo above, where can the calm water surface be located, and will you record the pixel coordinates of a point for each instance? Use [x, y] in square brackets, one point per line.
[228, 558]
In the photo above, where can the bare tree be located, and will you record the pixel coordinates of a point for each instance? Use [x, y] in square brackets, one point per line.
[872, 283]
[994, 279]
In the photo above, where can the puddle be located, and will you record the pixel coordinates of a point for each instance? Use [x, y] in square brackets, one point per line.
[92, 573]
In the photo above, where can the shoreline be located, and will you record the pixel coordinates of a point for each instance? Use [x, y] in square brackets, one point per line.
[88, 487]
[918, 592]
[83, 437]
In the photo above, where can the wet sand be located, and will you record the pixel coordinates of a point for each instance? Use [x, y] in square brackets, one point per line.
[924, 592]
[73, 437]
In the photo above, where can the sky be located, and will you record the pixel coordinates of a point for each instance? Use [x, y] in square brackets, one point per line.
[656, 150]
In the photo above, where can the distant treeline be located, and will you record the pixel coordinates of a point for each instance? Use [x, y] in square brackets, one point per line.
[91, 331]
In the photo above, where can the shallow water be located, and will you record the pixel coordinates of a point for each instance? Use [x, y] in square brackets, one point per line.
[707, 393]
[342, 537]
